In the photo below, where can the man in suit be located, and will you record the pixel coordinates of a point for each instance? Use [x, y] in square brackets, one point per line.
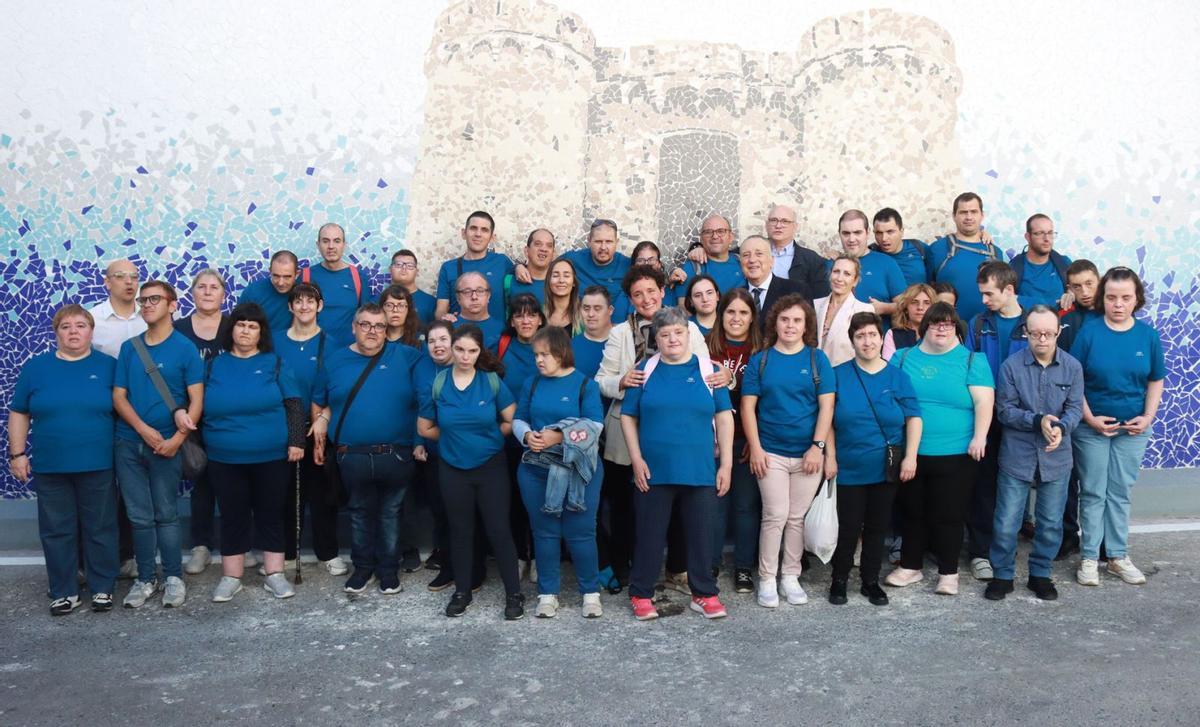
[790, 259]
[764, 285]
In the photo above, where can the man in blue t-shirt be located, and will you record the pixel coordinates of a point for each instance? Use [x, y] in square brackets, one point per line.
[1041, 271]
[539, 253]
[956, 258]
[712, 257]
[881, 281]
[599, 263]
[404, 273]
[909, 255]
[478, 234]
[150, 432]
[474, 296]
[342, 284]
[271, 292]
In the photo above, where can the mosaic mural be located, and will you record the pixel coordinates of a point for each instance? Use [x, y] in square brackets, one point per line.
[527, 116]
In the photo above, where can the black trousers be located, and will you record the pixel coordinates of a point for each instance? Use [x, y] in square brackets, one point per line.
[983, 498]
[616, 534]
[935, 505]
[483, 490]
[431, 496]
[866, 511]
[695, 507]
[250, 493]
[522, 532]
[322, 516]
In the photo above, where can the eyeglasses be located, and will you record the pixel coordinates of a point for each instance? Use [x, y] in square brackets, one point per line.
[719, 231]
[473, 292]
[1041, 335]
[1049, 234]
[394, 307]
[367, 326]
[779, 221]
[944, 326]
[647, 260]
[149, 300]
[404, 266]
[124, 275]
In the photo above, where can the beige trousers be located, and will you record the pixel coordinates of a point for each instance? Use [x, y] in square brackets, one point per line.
[786, 495]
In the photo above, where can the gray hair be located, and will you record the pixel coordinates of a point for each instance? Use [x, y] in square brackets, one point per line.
[668, 315]
[1043, 308]
[209, 273]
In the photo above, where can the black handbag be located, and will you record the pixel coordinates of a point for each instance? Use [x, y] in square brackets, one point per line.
[335, 490]
[195, 459]
[893, 454]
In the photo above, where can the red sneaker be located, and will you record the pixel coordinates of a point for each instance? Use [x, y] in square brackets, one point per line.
[643, 608]
[708, 606]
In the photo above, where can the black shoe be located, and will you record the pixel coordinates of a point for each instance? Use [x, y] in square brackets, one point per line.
[63, 606]
[389, 584]
[743, 581]
[514, 607]
[359, 580]
[837, 593]
[997, 589]
[443, 580]
[874, 593]
[434, 561]
[410, 561]
[1043, 588]
[1070, 544]
[458, 604]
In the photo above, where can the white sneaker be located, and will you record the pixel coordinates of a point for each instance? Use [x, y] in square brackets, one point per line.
[175, 593]
[128, 569]
[1124, 569]
[198, 561]
[226, 589]
[981, 568]
[251, 560]
[947, 585]
[336, 566]
[1088, 573]
[547, 606]
[278, 586]
[768, 593]
[139, 593]
[901, 577]
[591, 606]
[793, 590]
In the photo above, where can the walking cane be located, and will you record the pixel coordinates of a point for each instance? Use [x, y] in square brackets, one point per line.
[299, 577]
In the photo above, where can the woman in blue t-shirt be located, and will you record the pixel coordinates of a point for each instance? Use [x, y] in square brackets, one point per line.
[876, 409]
[668, 423]
[404, 325]
[469, 411]
[956, 394]
[525, 318]
[253, 428]
[701, 302]
[559, 421]
[787, 411]
[437, 358]
[66, 395]
[1123, 370]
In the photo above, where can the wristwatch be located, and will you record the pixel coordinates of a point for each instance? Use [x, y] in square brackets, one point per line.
[819, 444]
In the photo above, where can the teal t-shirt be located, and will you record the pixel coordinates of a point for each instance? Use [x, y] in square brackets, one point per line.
[244, 420]
[1117, 367]
[941, 381]
[861, 438]
[493, 266]
[70, 407]
[340, 301]
[385, 410]
[468, 420]
[675, 410]
[180, 364]
[787, 400]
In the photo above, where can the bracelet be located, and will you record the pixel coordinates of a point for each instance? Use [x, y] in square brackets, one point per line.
[323, 415]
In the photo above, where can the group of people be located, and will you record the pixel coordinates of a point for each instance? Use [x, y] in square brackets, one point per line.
[591, 398]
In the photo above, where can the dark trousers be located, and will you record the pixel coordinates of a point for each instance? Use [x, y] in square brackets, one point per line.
[866, 511]
[935, 504]
[483, 490]
[522, 532]
[744, 503]
[696, 507]
[203, 507]
[321, 514]
[616, 535]
[78, 510]
[251, 497]
[377, 483]
[983, 498]
[431, 494]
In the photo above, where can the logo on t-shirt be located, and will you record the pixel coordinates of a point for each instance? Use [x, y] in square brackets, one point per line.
[565, 398]
[482, 402]
[1139, 354]
[93, 377]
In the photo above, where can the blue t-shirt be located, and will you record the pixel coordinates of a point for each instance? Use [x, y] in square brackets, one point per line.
[1117, 367]
[558, 397]
[960, 271]
[70, 407]
[728, 274]
[674, 410]
[911, 262]
[1004, 332]
[703, 328]
[1040, 284]
[492, 328]
[941, 381]
[492, 266]
[340, 300]
[425, 304]
[787, 401]
[589, 273]
[881, 279]
[468, 419]
[273, 303]
[423, 374]
[179, 363]
[385, 410]
[588, 354]
[861, 446]
[519, 365]
[302, 358]
[537, 289]
[244, 420]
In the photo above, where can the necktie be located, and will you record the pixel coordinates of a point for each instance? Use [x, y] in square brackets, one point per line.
[757, 292]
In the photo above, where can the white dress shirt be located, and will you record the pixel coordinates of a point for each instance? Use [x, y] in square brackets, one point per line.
[112, 330]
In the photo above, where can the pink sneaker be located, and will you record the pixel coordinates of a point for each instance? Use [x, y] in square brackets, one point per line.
[643, 608]
[708, 606]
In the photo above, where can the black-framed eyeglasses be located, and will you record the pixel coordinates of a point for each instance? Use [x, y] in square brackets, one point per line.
[1048, 234]
[719, 231]
[367, 326]
[395, 306]
[1041, 335]
[472, 292]
[404, 266]
[151, 300]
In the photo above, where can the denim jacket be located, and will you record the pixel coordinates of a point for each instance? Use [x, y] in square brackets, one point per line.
[572, 464]
[1025, 392]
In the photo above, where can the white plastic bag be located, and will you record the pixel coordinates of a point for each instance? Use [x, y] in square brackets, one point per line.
[821, 522]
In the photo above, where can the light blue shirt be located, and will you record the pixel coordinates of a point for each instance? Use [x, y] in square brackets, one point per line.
[783, 259]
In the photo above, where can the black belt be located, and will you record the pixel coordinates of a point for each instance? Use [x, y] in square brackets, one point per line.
[372, 448]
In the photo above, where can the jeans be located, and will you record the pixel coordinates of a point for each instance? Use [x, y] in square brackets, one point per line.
[376, 483]
[577, 528]
[86, 500]
[745, 502]
[483, 489]
[935, 504]
[694, 506]
[1108, 467]
[1011, 496]
[150, 485]
[787, 494]
[863, 511]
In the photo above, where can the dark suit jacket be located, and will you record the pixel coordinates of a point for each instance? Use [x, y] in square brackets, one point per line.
[808, 270]
[778, 288]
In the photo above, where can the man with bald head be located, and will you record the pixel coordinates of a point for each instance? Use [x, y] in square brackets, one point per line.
[712, 257]
[272, 291]
[764, 285]
[474, 296]
[792, 260]
[342, 285]
[117, 318]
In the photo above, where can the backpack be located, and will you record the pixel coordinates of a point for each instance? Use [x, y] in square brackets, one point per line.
[921, 248]
[439, 383]
[1057, 260]
[502, 346]
[977, 330]
[991, 252]
[306, 277]
[812, 366]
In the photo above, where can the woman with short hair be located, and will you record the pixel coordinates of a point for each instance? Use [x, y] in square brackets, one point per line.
[910, 309]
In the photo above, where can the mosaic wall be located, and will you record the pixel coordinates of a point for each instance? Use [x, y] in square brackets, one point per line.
[526, 115]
